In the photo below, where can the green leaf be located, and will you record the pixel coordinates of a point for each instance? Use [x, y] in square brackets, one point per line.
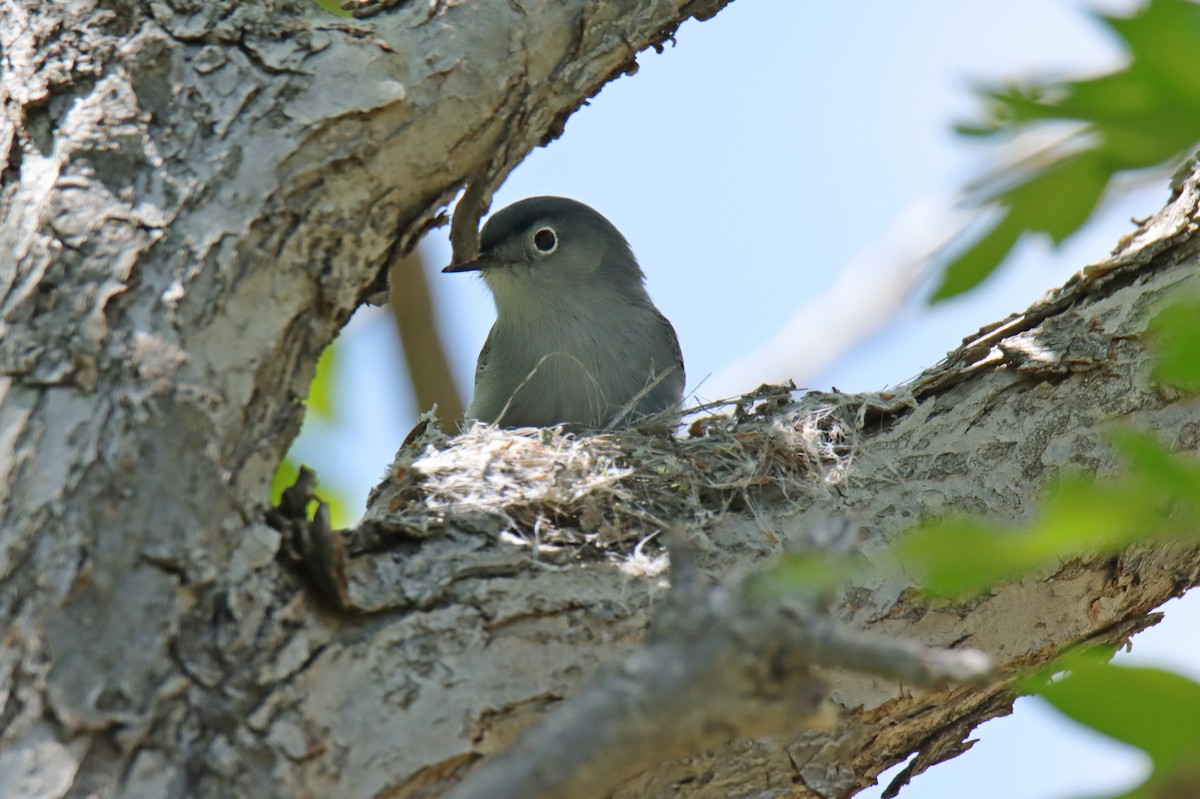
[959, 555]
[1081, 516]
[1165, 477]
[802, 576]
[1060, 199]
[321, 391]
[1056, 201]
[1117, 97]
[1155, 710]
[970, 268]
[334, 7]
[285, 476]
[1159, 496]
[1144, 116]
[1162, 39]
[1175, 333]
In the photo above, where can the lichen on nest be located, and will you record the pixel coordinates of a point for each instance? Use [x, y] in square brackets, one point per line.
[613, 490]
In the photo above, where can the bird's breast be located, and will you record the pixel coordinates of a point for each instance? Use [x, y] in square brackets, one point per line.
[579, 370]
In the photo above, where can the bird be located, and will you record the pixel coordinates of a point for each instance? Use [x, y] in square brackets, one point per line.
[577, 341]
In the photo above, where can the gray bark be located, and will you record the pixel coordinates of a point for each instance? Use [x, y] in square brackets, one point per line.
[1020, 403]
[193, 198]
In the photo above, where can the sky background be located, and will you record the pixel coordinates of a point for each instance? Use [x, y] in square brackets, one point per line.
[747, 165]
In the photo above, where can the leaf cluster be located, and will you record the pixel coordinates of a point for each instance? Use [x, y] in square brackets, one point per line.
[1145, 116]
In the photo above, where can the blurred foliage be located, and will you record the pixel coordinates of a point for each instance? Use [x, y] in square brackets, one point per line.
[1154, 710]
[321, 390]
[1144, 116]
[339, 508]
[1176, 331]
[808, 577]
[334, 7]
[322, 409]
[1156, 498]
[960, 556]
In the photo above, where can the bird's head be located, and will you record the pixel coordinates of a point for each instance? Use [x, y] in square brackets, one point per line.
[552, 249]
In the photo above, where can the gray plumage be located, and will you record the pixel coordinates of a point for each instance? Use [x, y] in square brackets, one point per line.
[577, 340]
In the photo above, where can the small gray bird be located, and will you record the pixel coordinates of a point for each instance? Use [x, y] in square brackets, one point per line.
[577, 340]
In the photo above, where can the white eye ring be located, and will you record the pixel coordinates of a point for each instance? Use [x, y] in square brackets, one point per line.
[545, 240]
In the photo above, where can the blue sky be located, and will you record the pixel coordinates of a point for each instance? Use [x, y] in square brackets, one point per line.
[747, 165]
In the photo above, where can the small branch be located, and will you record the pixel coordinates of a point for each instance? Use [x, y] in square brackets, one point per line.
[717, 668]
[464, 223]
[424, 352]
[312, 546]
[907, 661]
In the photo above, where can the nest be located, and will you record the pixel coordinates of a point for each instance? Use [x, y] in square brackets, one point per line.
[616, 491]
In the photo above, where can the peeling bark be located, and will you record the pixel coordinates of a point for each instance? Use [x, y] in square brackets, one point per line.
[193, 199]
[1020, 403]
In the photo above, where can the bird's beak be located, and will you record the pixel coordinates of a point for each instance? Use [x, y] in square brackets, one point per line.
[477, 265]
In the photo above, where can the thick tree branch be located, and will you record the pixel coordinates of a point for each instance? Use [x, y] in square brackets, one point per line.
[195, 196]
[541, 535]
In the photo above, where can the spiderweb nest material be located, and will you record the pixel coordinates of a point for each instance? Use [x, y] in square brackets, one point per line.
[610, 493]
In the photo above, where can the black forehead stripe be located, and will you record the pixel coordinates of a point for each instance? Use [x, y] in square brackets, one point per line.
[511, 222]
[520, 217]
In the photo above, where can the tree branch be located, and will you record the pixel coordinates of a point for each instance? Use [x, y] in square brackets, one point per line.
[718, 667]
[198, 195]
[542, 535]
[196, 198]
[424, 354]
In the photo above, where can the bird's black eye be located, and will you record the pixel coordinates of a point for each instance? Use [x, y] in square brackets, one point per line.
[545, 240]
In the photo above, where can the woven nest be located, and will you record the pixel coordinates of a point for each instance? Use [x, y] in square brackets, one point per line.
[617, 490]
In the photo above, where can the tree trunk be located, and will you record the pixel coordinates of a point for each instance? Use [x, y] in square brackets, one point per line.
[194, 198]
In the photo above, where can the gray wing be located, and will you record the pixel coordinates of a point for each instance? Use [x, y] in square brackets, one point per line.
[481, 364]
[674, 341]
[669, 393]
[480, 398]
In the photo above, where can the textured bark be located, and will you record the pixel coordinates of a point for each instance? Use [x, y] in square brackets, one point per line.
[1019, 403]
[193, 198]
